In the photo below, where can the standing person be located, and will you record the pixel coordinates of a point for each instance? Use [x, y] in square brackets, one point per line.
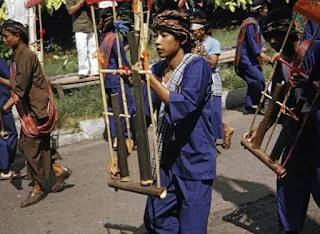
[199, 31]
[249, 54]
[85, 40]
[8, 146]
[303, 170]
[31, 95]
[110, 54]
[181, 90]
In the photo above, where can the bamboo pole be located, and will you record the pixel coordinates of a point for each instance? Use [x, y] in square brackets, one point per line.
[40, 53]
[124, 99]
[103, 91]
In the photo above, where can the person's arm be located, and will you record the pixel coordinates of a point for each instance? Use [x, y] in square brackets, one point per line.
[5, 82]
[72, 9]
[8, 105]
[254, 45]
[214, 53]
[194, 85]
[24, 73]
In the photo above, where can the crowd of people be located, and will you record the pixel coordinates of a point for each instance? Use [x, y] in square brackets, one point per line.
[186, 94]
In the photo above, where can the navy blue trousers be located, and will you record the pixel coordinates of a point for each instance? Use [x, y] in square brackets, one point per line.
[302, 179]
[8, 146]
[131, 110]
[185, 210]
[256, 83]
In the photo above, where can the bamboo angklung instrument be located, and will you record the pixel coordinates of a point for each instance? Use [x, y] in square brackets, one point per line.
[145, 186]
[284, 136]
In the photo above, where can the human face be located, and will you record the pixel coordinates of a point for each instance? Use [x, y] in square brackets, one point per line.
[264, 11]
[166, 44]
[197, 34]
[9, 39]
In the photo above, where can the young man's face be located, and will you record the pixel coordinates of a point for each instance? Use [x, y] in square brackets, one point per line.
[166, 44]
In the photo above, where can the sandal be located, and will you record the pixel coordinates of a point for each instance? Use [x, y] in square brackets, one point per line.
[228, 133]
[6, 176]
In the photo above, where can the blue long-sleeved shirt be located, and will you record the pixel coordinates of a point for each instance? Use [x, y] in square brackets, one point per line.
[191, 155]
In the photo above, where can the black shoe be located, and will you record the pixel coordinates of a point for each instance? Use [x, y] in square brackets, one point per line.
[33, 198]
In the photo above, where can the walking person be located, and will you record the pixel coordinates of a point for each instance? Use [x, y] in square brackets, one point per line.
[31, 95]
[249, 55]
[200, 32]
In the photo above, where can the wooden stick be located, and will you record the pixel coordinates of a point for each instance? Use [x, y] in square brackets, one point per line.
[103, 90]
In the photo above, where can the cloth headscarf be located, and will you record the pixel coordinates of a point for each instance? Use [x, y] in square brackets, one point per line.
[16, 28]
[174, 22]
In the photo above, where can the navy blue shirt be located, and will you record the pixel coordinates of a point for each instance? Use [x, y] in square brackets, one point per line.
[191, 154]
[251, 48]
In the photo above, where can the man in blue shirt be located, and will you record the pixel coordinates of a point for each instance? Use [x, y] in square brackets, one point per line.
[303, 169]
[249, 54]
[181, 87]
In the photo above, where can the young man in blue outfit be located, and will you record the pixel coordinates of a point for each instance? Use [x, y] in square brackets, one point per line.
[8, 146]
[181, 94]
[303, 165]
[181, 87]
[249, 54]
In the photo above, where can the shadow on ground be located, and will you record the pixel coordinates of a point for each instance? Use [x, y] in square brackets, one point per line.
[125, 229]
[259, 216]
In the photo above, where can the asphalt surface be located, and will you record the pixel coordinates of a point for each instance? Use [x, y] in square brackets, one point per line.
[243, 199]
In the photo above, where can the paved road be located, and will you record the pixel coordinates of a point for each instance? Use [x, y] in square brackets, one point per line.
[242, 202]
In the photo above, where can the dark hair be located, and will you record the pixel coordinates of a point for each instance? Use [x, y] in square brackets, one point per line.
[16, 28]
[106, 21]
[277, 22]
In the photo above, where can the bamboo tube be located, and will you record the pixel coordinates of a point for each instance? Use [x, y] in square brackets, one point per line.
[124, 99]
[103, 91]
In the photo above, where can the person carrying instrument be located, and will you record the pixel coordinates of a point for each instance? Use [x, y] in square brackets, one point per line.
[181, 91]
[199, 31]
[249, 55]
[31, 95]
[303, 164]
[8, 146]
[110, 55]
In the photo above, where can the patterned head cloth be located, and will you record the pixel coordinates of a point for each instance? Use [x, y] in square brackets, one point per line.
[173, 22]
[16, 28]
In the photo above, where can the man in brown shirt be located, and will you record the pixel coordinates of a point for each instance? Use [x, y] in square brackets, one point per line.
[31, 95]
[85, 38]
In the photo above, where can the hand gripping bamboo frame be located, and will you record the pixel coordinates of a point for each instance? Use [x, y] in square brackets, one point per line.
[145, 186]
[276, 109]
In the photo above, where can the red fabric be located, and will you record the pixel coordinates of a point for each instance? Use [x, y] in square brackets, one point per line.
[105, 49]
[29, 127]
[31, 3]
